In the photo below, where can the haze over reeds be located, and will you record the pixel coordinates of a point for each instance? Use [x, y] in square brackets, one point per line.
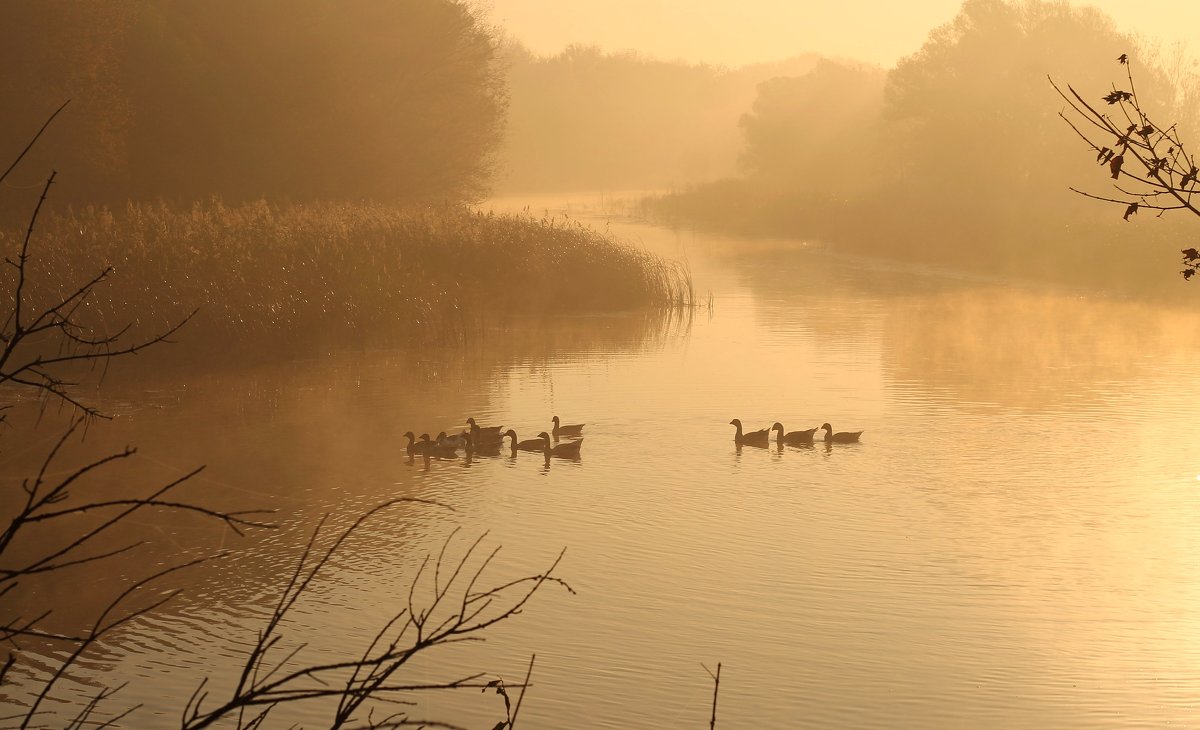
[335, 150]
[347, 272]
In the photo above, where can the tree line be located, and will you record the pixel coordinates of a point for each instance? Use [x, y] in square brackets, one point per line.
[589, 119]
[957, 155]
[284, 99]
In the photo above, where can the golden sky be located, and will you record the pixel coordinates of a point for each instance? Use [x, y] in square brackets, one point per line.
[735, 32]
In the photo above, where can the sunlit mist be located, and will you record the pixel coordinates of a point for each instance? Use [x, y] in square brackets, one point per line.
[625, 365]
[738, 33]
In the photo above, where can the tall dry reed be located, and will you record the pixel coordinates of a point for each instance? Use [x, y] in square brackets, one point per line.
[339, 271]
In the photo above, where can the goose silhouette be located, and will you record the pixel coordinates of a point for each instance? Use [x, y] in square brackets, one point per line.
[417, 447]
[569, 450]
[575, 429]
[793, 438]
[537, 444]
[754, 438]
[843, 437]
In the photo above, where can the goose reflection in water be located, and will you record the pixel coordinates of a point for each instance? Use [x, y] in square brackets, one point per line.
[412, 460]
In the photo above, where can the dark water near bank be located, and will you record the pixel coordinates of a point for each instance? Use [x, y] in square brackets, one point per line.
[1013, 544]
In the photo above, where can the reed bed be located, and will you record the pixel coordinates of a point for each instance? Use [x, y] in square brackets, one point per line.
[336, 271]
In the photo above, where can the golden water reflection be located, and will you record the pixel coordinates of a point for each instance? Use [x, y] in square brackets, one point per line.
[1010, 545]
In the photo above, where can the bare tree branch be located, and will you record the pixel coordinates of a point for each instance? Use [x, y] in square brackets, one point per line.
[33, 141]
[1133, 150]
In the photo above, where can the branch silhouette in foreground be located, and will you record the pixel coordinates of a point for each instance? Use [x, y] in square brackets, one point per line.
[42, 342]
[445, 604]
[63, 519]
[1150, 162]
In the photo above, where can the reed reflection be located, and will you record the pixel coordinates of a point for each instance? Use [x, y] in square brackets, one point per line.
[314, 438]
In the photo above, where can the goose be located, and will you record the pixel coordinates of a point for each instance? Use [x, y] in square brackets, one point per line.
[486, 436]
[488, 448]
[536, 444]
[570, 449]
[845, 437]
[560, 430]
[417, 447]
[754, 438]
[492, 432]
[457, 441]
[794, 437]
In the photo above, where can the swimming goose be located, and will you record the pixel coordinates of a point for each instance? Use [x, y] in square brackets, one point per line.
[793, 438]
[560, 430]
[754, 438]
[417, 447]
[569, 450]
[485, 437]
[845, 437]
[484, 431]
[536, 444]
[457, 441]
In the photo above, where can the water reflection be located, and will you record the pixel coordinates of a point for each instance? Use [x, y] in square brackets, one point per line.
[1035, 350]
[968, 565]
[307, 437]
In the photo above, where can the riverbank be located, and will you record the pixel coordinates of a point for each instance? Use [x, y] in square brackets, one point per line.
[1069, 241]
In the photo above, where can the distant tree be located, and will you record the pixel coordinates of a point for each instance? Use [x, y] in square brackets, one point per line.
[1150, 162]
[951, 162]
[962, 162]
[53, 50]
[814, 128]
[589, 119]
[976, 84]
[285, 99]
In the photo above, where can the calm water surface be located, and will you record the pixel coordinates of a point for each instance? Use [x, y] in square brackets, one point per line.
[1014, 543]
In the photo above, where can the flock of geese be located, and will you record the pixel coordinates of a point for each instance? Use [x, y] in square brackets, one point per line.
[490, 440]
[763, 438]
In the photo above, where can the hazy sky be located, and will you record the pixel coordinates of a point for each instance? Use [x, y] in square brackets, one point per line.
[734, 32]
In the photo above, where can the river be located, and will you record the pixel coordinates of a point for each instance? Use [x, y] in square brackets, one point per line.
[1012, 544]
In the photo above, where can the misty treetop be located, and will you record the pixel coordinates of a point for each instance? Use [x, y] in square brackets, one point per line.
[286, 99]
[837, 103]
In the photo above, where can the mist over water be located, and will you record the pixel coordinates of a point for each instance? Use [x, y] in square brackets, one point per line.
[394, 217]
[1008, 545]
